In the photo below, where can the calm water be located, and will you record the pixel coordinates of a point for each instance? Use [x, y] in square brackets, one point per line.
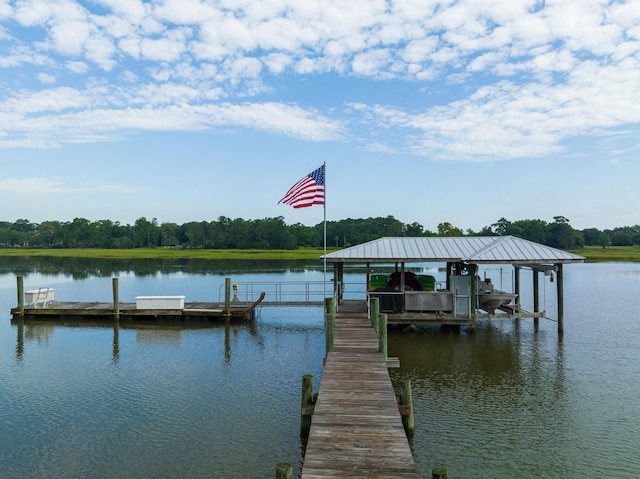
[216, 402]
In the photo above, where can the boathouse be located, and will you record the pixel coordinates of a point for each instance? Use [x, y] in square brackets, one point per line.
[464, 297]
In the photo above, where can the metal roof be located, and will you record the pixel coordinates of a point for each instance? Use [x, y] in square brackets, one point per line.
[470, 249]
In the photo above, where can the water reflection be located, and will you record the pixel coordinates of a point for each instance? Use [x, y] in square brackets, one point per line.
[496, 392]
[507, 401]
[82, 268]
[166, 334]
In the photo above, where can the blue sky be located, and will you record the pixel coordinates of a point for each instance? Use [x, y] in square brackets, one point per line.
[463, 111]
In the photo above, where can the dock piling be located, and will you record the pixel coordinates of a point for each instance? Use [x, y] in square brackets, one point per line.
[20, 296]
[382, 335]
[116, 299]
[307, 400]
[329, 323]
[375, 314]
[284, 470]
[407, 400]
[439, 472]
[227, 297]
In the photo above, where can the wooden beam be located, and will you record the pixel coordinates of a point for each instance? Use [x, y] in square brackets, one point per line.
[560, 287]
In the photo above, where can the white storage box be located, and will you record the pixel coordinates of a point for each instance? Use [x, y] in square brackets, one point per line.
[160, 302]
[39, 297]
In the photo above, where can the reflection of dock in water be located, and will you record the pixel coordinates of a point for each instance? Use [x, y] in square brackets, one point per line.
[166, 333]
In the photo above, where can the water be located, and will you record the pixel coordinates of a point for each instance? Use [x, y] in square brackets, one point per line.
[204, 402]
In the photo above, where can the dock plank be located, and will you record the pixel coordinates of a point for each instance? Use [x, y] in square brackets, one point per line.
[356, 428]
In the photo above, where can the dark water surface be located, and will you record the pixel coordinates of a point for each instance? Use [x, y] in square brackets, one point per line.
[223, 402]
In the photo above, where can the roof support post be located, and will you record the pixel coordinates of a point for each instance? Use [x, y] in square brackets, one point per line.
[473, 271]
[340, 284]
[402, 290]
[536, 297]
[517, 285]
[560, 285]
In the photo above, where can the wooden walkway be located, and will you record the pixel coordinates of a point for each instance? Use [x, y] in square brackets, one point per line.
[356, 428]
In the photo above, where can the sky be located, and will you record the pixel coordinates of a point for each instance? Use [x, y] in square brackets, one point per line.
[459, 111]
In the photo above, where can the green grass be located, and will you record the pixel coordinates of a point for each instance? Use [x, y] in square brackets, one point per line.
[610, 253]
[167, 253]
[591, 253]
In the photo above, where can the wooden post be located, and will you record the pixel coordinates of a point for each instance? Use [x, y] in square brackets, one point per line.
[20, 296]
[536, 297]
[560, 285]
[473, 313]
[284, 470]
[329, 327]
[307, 400]
[516, 286]
[116, 299]
[382, 336]
[407, 400]
[375, 314]
[227, 297]
[329, 323]
[330, 305]
[439, 472]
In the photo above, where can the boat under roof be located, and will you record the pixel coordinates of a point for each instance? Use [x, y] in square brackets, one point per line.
[464, 296]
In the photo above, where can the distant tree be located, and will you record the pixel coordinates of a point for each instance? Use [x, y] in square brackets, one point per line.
[591, 236]
[604, 239]
[501, 227]
[485, 231]
[622, 236]
[532, 230]
[561, 234]
[146, 234]
[413, 230]
[447, 229]
[169, 233]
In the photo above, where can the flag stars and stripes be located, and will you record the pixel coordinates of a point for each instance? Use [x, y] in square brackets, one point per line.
[308, 191]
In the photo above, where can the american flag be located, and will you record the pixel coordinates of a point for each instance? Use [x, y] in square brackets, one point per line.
[306, 192]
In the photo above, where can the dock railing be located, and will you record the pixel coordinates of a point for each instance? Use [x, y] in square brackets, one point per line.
[291, 293]
[279, 292]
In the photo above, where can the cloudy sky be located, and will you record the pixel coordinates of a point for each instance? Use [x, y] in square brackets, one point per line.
[463, 111]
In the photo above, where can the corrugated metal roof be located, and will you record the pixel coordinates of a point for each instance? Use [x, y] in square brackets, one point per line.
[471, 249]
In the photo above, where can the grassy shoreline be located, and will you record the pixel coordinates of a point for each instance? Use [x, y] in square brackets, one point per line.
[599, 254]
[168, 253]
[591, 253]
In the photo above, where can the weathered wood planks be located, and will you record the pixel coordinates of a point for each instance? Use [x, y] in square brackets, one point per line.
[356, 428]
[99, 310]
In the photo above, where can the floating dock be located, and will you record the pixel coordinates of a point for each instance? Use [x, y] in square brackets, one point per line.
[129, 311]
[356, 426]
[40, 304]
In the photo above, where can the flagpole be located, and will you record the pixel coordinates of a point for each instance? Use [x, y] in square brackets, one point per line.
[325, 229]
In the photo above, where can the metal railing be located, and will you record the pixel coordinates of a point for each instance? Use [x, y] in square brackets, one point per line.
[279, 292]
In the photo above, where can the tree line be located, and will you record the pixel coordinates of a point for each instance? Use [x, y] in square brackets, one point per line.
[274, 233]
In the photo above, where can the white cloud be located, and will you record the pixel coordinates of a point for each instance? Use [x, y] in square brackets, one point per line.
[550, 70]
[28, 186]
[46, 78]
[55, 185]
[46, 101]
[5, 10]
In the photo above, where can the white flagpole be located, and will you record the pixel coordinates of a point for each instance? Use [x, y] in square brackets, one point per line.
[325, 229]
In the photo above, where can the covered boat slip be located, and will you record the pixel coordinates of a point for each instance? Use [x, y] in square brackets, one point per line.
[464, 296]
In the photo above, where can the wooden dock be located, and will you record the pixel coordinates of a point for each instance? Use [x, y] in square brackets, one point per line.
[356, 427]
[65, 310]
